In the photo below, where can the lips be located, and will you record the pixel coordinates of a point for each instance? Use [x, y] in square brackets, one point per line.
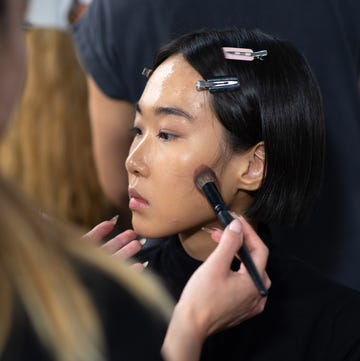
[136, 201]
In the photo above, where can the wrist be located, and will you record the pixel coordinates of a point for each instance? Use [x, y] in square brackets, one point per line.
[184, 337]
[191, 321]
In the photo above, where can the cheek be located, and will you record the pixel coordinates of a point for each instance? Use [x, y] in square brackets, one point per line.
[176, 210]
[178, 205]
[183, 165]
[201, 149]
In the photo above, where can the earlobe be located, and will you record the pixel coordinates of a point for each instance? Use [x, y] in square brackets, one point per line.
[252, 177]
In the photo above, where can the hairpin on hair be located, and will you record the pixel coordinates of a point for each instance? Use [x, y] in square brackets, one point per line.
[243, 54]
[146, 72]
[218, 84]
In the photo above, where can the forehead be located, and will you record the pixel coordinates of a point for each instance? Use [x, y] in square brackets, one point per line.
[174, 82]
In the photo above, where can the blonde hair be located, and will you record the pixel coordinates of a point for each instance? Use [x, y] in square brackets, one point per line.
[36, 268]
[48, 150]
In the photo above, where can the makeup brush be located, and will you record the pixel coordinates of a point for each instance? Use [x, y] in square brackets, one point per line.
[205, 181]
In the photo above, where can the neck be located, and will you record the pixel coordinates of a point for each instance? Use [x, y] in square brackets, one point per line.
[198, 244]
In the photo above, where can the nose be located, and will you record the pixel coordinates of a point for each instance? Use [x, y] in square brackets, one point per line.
[136, 162]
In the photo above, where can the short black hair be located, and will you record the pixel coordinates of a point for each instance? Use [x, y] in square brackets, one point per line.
[278, 102]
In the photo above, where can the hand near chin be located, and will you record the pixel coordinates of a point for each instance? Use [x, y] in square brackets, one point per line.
[216, 297]
[123, 246]
[228, 298]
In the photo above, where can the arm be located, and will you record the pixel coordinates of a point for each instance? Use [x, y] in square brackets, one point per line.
[111, 121]
[216, 297]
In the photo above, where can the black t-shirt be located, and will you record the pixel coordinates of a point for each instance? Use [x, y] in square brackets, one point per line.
[306, 318]
[132, 331]
[116, 39]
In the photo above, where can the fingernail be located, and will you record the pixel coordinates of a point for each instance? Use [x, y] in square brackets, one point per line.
[235, 226]
[114, 219]
[211, 229]
[145, 264]
[235, 215]
[142, 241]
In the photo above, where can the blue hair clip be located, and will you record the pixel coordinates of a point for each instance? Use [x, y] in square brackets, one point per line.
[218, 84]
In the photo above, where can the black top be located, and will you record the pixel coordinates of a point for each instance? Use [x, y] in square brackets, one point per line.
[132, 332]
[306, 318]
[116, 39]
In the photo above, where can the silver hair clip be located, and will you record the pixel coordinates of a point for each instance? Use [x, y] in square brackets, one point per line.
[146, 72]
[243, 54]
[219, 84]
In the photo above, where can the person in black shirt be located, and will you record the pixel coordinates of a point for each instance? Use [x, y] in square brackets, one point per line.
[116, 39]
[61, 299]
[246, 105]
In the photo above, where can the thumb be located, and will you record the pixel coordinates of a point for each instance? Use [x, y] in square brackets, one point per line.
[230, 242]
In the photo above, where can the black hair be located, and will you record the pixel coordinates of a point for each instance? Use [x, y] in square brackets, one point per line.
[278, 102]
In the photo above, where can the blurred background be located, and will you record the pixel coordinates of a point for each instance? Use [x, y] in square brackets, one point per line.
[48, 151]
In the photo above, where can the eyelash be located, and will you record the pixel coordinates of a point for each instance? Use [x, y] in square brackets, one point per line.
[166, 136]
[161, 135]
[135, 130]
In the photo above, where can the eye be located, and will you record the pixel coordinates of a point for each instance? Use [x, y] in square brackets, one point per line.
[166, 136]
[136, 131]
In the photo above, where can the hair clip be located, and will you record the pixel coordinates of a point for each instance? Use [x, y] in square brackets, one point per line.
[243, 54]
[146, 72]
[219, 84]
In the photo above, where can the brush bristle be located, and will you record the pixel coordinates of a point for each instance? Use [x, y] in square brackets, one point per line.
[205, 175]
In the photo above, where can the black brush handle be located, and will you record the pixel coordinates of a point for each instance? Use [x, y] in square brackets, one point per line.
[225, 218]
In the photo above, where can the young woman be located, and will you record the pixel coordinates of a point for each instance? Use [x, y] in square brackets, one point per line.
[247, 106]
[62, 300]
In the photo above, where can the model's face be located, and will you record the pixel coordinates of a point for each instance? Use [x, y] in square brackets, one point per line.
[12, 58]
[176, 134]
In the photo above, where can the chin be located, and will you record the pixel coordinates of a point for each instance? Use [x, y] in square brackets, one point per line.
[149, 230]
[149, 234]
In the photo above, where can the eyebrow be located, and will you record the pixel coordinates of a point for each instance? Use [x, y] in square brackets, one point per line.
[169, 111]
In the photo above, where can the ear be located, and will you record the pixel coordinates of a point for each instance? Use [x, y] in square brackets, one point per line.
[253, 171]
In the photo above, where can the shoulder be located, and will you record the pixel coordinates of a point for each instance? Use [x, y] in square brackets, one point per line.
[108, 38]
[311, 304]
[297, 277]
[113, 13]
[307, 312]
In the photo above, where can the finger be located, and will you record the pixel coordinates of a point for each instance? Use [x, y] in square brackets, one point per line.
[99, 232]
[230, 242]
[267, 281]
[260, 306]
[139, 267]
[116, 243]
[215, 233]
[129, 250]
